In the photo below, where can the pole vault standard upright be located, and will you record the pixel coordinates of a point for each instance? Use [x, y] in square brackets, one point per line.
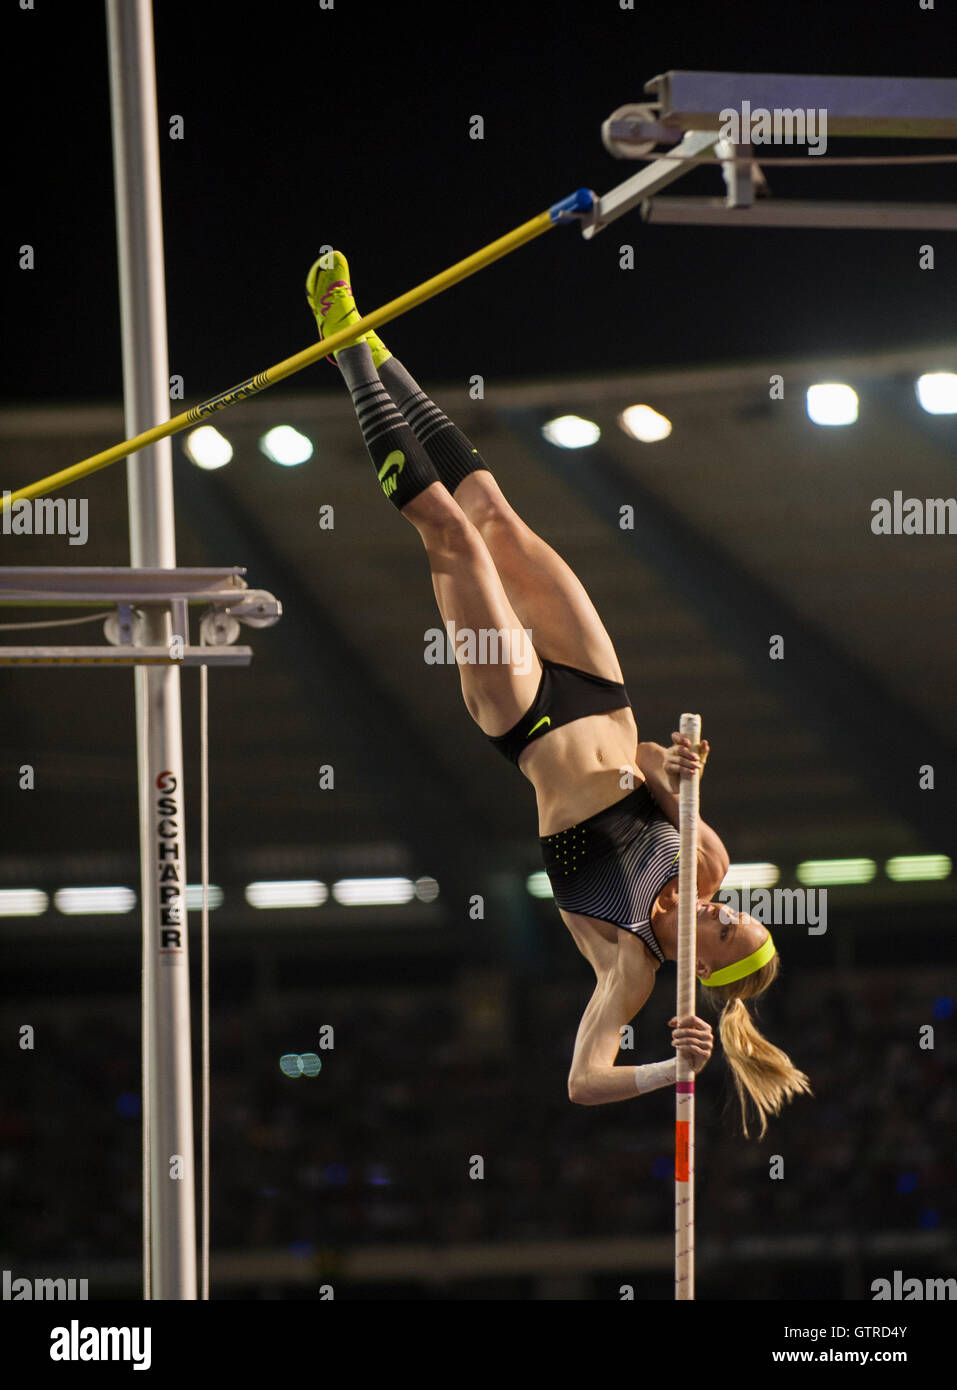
[688, 801]
[169, 1196]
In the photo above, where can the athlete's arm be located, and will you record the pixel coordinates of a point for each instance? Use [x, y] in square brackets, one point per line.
[661, 768]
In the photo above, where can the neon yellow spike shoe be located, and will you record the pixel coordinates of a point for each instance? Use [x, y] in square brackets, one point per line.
[330, 298]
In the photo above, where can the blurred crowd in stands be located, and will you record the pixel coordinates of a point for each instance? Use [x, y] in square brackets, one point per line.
[442, 1115]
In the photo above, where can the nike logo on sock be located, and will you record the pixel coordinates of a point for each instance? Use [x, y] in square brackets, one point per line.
[395, 460]
[390, 483]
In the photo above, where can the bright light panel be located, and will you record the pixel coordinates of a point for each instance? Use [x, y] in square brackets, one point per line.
[208, 448]
[426, 890]
[286, 446]
[23, 902]
[372, 892]
[910, 868]
[822, 873]
[751, 876]
[644, 424]
[300, 892]
[571, 432]
[79, 902]
[292, 1064]
[937, 392]
[539, 885]
[194, 897]
[831, 403]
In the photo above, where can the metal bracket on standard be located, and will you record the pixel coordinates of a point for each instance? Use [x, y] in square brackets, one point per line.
[648, 181]
[723, 112]
[227, 601]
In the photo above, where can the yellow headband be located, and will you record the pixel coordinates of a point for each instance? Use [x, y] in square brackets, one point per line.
[740, 968]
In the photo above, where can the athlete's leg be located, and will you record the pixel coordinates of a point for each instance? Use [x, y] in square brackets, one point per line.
[622, 989]
[545, 593]
[501, 672]
[540, 588]
[548, 596]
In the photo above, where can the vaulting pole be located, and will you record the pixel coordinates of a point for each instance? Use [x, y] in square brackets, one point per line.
[688, 796]
[169, 1257]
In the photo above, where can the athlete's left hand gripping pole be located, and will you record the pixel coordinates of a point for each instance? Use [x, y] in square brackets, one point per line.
[688, 800]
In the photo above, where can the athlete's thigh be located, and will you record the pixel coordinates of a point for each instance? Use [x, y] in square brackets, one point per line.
[543, 589]
[553, 603]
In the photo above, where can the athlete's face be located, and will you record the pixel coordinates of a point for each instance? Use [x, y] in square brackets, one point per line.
[724, 936]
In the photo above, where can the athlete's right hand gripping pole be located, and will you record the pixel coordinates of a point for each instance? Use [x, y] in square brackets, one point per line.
[690, 726]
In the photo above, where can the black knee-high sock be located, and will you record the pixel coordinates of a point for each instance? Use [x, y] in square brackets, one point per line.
[402, 464]
[451, 453]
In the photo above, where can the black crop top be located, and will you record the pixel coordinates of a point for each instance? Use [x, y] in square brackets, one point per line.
[564, 695]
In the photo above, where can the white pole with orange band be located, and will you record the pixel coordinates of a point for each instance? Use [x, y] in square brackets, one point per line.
[690, 726]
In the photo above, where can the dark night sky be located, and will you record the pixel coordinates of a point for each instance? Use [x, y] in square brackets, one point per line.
[350, 126]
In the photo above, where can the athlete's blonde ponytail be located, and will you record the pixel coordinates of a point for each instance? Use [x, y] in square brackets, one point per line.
[762, 1072]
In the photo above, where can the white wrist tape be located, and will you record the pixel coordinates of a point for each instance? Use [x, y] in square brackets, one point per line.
[656, 1075]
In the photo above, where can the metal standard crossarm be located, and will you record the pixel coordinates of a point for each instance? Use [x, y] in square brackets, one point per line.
[120, 656]
[92, 584]
[694, 106]
[647, 182]
[222, 592]
[789, 212]
[883, 107]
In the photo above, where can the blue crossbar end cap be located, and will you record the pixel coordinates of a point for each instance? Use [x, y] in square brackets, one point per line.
[582, 200]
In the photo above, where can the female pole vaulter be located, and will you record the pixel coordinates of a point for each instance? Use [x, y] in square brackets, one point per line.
[558, 709]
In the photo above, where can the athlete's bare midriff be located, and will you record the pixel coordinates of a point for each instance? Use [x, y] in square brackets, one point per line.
[578, 769]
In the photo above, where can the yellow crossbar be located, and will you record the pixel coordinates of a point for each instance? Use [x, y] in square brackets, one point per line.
[427, 290]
